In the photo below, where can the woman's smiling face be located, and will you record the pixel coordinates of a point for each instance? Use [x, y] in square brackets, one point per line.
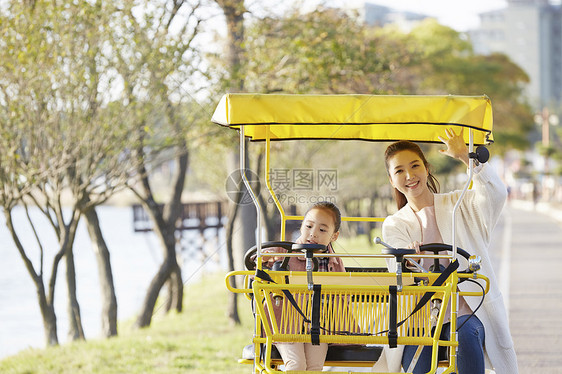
[408, 174]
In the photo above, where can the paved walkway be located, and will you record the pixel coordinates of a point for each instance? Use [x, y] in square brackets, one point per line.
[535, 287]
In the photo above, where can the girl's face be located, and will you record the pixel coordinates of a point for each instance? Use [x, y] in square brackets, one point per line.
[318, 227]
[408, 174]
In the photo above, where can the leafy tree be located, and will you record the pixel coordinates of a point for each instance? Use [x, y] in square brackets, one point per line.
[77, 119]
[326, 51]
[446, 64]
[50, 100]
[155, 57]
[233, 80]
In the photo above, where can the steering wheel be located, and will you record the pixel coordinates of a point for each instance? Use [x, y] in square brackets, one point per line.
[250, 263]
[305, 246]
[439, 247]
[399, 253]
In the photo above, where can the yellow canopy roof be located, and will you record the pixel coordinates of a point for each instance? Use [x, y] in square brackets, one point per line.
[364, 117]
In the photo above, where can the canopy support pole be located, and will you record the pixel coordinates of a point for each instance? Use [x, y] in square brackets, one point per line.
[455, 294]
[466, 186]
[268, 183]
[251, 192]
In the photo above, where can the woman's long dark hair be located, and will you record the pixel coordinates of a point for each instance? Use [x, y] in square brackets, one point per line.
[405, 145]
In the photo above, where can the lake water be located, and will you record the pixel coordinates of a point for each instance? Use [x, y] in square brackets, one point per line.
[135, 258]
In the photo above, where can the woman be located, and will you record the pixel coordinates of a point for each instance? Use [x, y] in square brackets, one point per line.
[424, 216]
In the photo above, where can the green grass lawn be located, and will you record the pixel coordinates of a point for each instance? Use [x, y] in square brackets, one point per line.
[359, 245]
[201, 339]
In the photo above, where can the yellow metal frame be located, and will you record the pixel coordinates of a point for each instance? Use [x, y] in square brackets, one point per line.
[354, 302]
[269, 118]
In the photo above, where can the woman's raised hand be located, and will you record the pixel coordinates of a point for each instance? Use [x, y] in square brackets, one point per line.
[456, 147]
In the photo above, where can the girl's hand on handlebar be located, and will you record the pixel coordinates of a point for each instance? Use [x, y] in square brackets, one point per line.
[270, 260]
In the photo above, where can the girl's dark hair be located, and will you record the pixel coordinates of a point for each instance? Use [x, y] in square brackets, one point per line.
[405, 145]
[330, 207]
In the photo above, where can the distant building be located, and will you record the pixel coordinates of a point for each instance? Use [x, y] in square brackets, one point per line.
[530, 33]
[378, 15]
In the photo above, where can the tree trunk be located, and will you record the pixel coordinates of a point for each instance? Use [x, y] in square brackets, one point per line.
[170, 294]
[172, 212]
[170, 266]
[75, 329]
[234, 13]
[46, 304]
[174, 286]
[48, 315]
[163, 274]
[164, 221]
[105, 274]
[176, 282]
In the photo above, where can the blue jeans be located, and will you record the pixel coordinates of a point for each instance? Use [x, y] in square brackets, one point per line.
[470, 357]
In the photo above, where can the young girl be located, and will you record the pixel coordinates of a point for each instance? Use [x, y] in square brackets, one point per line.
[320, 225]
[424, 216]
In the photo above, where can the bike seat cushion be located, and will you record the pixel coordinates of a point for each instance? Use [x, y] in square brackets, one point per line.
[335, 353]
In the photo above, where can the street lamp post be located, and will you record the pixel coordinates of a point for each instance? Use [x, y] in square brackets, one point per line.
[545, 127]
[545, 120]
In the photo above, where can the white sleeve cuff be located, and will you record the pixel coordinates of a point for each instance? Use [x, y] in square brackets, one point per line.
[476, 169]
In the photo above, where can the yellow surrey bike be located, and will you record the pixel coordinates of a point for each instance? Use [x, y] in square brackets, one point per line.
[359, 313]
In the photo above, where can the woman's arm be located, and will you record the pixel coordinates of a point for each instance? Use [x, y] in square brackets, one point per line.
[396, 231]
[490, 193]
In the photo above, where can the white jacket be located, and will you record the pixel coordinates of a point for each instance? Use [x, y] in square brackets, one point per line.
[476, 218]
